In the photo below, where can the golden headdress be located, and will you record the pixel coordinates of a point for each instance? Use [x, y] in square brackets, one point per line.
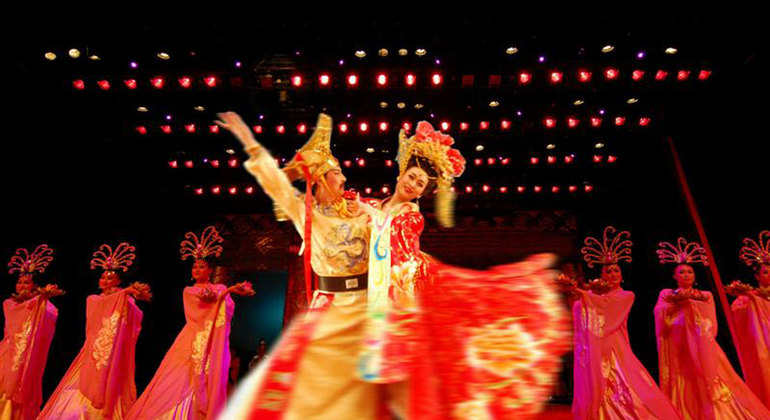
[119, 259]
[315, 158]
[448, 162]
[612, 250]
[26, 263]
[682, 253]
[205, 247]
[756, 253]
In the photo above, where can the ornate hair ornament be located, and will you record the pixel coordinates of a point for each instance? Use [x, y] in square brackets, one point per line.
[204, 247]
[682, 253]
[26, 263]
[436, 147]
[315, 158]
[613, 249]
[755, 253]
[118, 260]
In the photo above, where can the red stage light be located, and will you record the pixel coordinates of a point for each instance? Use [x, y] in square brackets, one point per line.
[436, 79]
[661, 75]
[550, 122]
[484, 125]
[588, 188]
[382, 79]
[620, 121]
[385, 190]
[280, 129]
[611, 73]
[104, 84]
[486, 188]
[598, 158]
[407, 126]
[463, 126]
[445, 125]
[556, 76]
[233, 190]
[411, 79]
[258, 129]
[363, 127]
[469, 189]
[199, 191]
[505, 161]
[216, 190]
[347, 163]
[538, 188]
[166, 129]
[503, 190]
[389, 163]
[211, 81]
[533, 160]
[130, 83]
[352, 80]
[233, 163]
[505, 124]
[158, 82]
[174, 164]
[551, 160]
[572, 188]
[637, 75]
[343, 127]
[644, 121]
[596, 121]
[568, 159]
[478, 161]
[584, 76]
[214, 163]
[683, 75]
[383, 126]
[573, 122]
[249, 190]
[190, 128]
[296, 81]
[490, 161]
[78, 84]
[324, 79]
[185, 82]
[525, 78]
[214, 129]
[189, 164]
[704, 74]
[368, 191]
[141, 130]
[555, 189]
[362, 162]
[302, 128]
[612, 159]
[520, 189]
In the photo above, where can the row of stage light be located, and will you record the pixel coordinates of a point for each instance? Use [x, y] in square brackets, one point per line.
[218, 190]
[383, 80]
[362, 162]
[382, 126]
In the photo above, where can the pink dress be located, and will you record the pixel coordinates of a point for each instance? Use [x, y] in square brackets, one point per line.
[694, 371]
[100, 381]
[610, 382]
[752, 322]
[29, 329]
[191, 382]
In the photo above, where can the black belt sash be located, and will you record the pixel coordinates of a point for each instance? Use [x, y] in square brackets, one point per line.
[343, 283]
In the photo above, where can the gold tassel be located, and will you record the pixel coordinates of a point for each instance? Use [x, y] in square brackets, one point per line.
[445, 206]
[280, 215]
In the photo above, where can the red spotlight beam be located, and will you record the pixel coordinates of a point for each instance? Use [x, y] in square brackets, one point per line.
[704, 240]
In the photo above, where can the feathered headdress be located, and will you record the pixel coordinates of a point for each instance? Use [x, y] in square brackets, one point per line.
[683, 253]
[26, 263]
[205, 247]
[613, 249]
[448, 162]
[756, 253]
[119, 259]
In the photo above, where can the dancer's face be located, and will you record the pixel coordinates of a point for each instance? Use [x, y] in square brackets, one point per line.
[763, 275]
[335, 180]
[25, 285]
[412, 184]
[684, 276]
[611, 274]
[201, 271]
[108, 280]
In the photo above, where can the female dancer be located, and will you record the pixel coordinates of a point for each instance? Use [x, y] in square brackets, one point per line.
[30, 321]
[191, 382]
[694, 371]
[610, 382]
[100, 381]
[751, 312]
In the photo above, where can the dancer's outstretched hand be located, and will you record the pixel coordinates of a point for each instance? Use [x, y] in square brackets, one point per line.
[234, 123]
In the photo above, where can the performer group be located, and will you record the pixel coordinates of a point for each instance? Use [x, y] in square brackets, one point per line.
[392, 332]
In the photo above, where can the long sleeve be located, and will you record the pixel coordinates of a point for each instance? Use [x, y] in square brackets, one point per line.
[276, 185]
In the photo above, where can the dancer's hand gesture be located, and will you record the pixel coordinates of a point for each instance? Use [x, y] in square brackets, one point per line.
[234, 123]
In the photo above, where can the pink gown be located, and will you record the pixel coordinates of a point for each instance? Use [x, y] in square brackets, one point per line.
[100, 381]
[694, 371]
[610, 382]
[29, 329]
[752, 322]
[191, 382]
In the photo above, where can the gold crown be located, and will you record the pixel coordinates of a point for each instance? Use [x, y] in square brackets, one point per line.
[316, 155]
